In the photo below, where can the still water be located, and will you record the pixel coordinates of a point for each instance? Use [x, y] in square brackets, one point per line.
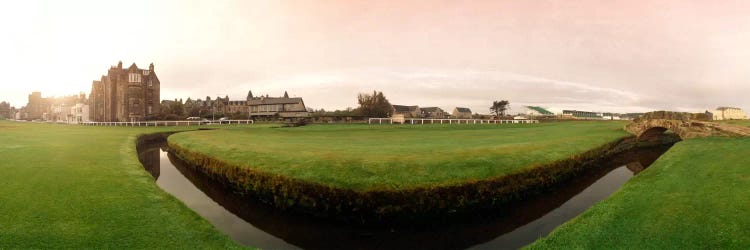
[252, 223]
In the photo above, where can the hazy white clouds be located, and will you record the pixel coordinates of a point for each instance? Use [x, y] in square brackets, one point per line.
[589, 54]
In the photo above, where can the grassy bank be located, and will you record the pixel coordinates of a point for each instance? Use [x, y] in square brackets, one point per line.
[83, 187]
[694, 196]
[399, 157]
[745, 123]
[387, 173]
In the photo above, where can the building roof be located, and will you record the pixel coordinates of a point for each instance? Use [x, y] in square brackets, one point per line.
[463, 110]
[431, 109]
[273, 100]
[540, 110]
[404, 108]
[580, 111]
[725, 108]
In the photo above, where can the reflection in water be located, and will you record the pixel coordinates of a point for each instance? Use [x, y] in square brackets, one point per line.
[520, 223]
[149, 157]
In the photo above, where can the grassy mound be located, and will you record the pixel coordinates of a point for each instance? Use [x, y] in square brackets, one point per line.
[694, 196]
[83, 187]
[392, 170]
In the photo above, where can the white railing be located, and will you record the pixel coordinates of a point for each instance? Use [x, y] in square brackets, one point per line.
[447, 121]
[167, 123]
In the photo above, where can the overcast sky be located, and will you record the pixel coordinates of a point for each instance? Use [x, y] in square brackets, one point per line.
[618, 56]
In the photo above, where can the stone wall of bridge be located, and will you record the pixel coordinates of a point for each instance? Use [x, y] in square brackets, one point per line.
[685, 125]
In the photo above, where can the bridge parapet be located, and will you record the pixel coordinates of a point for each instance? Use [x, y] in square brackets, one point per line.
[682, 116]
[686, 125]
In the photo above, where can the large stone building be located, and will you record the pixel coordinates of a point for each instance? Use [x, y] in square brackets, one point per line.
[5, 111]
[285, 107]
[36, 108]
[729, 113]
[125, 94]
[408, 111]
[462, 113]
[433, 113]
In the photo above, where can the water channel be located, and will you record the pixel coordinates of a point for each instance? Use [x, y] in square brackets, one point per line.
[252, 223]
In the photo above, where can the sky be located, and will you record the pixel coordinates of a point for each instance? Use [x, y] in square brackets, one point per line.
[607, 56]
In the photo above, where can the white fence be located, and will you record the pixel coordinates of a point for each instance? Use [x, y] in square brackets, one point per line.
[448, 121]
[165, 123]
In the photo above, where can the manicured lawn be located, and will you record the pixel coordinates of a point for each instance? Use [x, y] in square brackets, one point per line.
[83, 187]
[697, 195]
[368, 157]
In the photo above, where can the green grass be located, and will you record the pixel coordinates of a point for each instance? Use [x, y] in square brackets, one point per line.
[83, 187]
[368, 157]
[745, 123]
[697, 195]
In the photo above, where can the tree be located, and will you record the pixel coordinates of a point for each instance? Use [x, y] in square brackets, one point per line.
[499, 107]
[375, 105]
[177, 108]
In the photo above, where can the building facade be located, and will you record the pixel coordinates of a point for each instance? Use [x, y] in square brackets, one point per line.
[433, 113]
[285, 107]
[461, 113]
[611, 116]
[125, 94]
[5, 111]
[729, 113]
[577, 114]
[79, 113]
[407, 111]
[59, 109]
[36, 108]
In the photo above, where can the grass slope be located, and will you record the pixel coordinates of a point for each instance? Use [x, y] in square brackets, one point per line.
[745, 123]
[83, 187]
[399, 157]
[694, 196]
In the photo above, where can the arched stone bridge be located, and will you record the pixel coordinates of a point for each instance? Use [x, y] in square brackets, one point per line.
[685, 125]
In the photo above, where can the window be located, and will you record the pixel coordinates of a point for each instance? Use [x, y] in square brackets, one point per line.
[132, 77]
[150, 83]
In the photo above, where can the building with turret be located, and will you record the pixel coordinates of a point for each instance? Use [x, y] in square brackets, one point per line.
[125, 94]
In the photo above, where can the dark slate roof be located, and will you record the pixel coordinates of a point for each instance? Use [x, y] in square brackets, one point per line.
[463, 110]
[274, 100]
[725, 108]
[431, 109]
[404, 108]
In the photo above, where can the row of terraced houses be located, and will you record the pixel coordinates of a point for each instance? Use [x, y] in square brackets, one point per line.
[414, 111]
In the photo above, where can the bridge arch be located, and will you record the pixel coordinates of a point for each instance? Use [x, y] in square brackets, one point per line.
[683, 125]
[660, 133]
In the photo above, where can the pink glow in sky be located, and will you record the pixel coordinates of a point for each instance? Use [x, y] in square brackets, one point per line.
[615, 56]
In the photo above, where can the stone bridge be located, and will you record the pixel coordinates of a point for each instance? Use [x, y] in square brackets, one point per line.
[685, 125]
